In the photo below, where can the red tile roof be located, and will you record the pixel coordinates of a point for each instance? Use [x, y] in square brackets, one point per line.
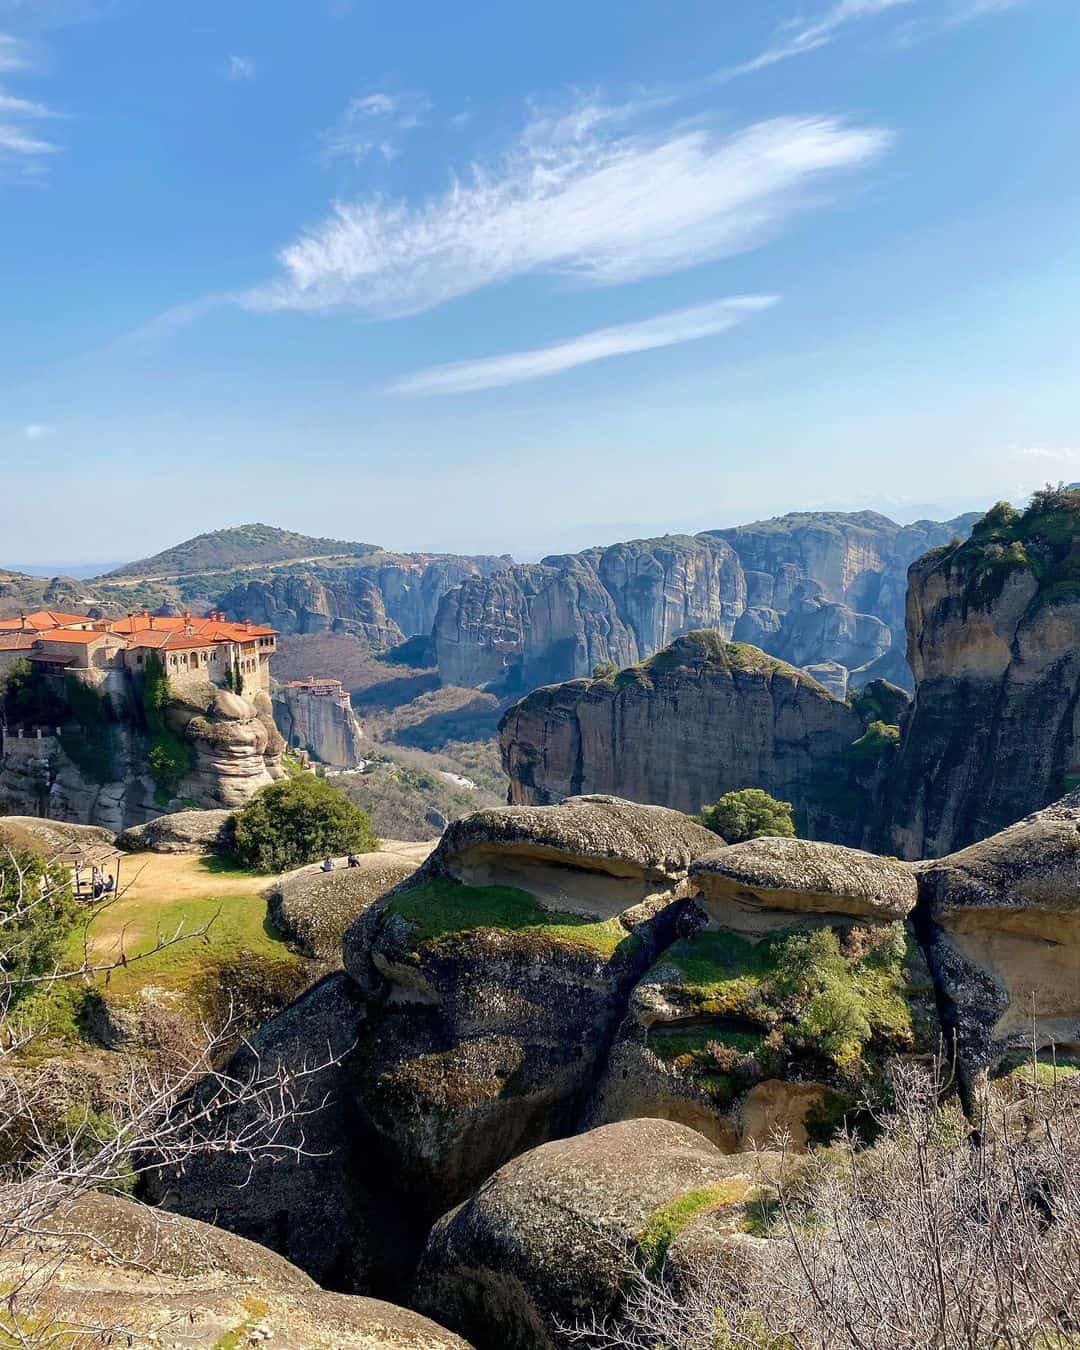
[43, 619]
[16, 642]
[72, 636]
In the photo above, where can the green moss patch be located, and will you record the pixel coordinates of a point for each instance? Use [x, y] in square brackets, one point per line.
[440, 909]
[665, 1224]
[835, 1002]
[1043, 540]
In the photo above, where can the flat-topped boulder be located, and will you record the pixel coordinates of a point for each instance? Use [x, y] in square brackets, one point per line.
[1004, 935]
[1031, 870]
[179, 832]
[801, 876]
[544, 1242]
[314, 909]
[597, 833]
[146, 1277]
[594, 855]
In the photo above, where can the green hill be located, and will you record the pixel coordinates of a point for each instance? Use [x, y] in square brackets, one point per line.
[236, 546]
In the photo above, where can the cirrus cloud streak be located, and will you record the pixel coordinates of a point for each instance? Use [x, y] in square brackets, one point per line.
[662, 330]
[584, 197]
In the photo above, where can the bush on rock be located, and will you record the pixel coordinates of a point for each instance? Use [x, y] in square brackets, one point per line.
[298, 821]
[748, 814]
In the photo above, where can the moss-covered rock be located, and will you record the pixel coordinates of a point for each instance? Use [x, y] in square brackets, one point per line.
[545, 1242]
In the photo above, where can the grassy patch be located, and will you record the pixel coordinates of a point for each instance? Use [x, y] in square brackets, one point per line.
[164, 893]
[664, 1226]
[439, 909]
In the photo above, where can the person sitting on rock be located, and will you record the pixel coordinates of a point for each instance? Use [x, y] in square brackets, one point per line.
[354, 861]
[328, 865]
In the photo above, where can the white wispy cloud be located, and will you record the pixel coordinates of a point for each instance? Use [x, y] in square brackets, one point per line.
[586, 197]
[13, 53]
[976, 9]
[374, 122]
[22, 143]
[37, 431]
[240, 68]
[797, 38]
[662, 330]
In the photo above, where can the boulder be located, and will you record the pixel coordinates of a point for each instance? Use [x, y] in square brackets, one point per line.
[803, 876]
[1004, 936]
[547, 1241]
[85, 844]
[597, 853]
[783, 1009]
[314, 909]
[179, 832]
[496, 978]
[147, 1277]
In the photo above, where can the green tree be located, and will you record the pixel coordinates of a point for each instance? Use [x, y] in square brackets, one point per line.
[298, 821]
[605, 670]
[37, 912]
[748, 814]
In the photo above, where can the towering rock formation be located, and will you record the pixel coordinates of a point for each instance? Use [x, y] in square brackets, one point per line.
[701, 718]
[380, 599]
[317, 716]
[994, 641]
[559, 619]
[859, 559]
[807, 588]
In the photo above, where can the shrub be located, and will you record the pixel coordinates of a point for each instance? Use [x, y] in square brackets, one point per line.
[171, 758]
[89, 742]
[298, 821]
[37, 912]
[605, 670]
[749, 814]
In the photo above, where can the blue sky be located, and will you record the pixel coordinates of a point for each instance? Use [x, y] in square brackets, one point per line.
[528, 275]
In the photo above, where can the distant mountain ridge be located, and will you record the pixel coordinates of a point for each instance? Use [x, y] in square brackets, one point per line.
[237, 546]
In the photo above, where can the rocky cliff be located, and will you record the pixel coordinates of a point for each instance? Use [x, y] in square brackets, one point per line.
[559, 619]
[700, 718]
[809, 588]
[381, 599]
[994, 642]
[319, 718]
[87, 755]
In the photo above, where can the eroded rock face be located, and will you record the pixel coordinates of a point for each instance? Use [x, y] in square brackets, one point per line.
[544, 1242]
[237, 747]
[994, 641]
[150, 1278]
[802, 876]
[557, 620]
[308, 604]
[380, 600]
[700, 719]
[320, 721]
[857, 560]
[1004, 936]
[320, 1209]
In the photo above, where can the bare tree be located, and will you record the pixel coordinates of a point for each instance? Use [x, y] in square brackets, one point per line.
[935, 1238]
[170, 1107]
